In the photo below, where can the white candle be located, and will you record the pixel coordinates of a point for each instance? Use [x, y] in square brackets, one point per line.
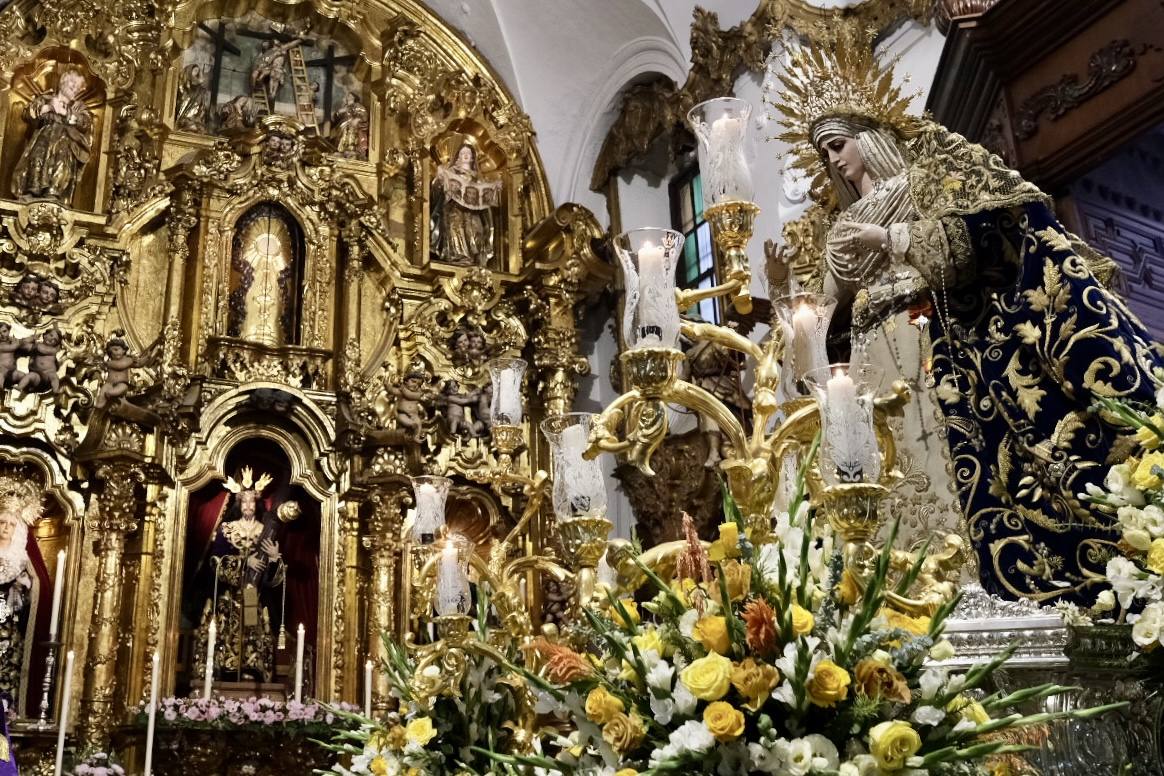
[153, 711]
[727, 176]
[211, 637]
[578, 483]
[63, 716]
[299, 664]
[58, 586]
[509, 397]
[368, 689]
[847, 439]
[452, 586]
[656, 306]
[805, 340]
[430, 512]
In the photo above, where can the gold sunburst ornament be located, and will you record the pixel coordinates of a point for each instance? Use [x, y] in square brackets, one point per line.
[841, 78]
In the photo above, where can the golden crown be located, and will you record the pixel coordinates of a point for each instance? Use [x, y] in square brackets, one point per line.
[248, 481]
[20, 494]
[841, 77]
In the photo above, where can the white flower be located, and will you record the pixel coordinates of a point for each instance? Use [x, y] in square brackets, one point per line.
[943, 650]
[763, 758]
[1138, 538]
[931, 681]
[691, 736]
[1148, 626]
[928, 715]
[660, 675]
[684, 700]
[1160, 397]
[663, 709]
[824, 752]
[1105, 601]
[798, 761]
[1128, 582]
[687, 623]
[1119, 482]
[1153, 517]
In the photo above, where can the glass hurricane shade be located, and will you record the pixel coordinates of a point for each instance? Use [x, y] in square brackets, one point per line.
[648, 257]
[848, 450]
[579, 489]
[723, 130]
[506, 406]
[430, 494]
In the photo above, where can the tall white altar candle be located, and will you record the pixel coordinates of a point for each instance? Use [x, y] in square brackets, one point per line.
[845, 438]
[452, 586]
[656, 302]
[153, 712]
[804, 340]
[429, 511]
[368, 688]
[63, 715]
[58, 586]
[509, 396]
[211, 637]
[299, 664]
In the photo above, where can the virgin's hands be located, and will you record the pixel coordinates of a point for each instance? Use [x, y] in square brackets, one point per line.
[869, 236]
[777, 264]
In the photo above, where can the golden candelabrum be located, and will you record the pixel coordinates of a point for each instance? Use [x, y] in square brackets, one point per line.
[789, 368]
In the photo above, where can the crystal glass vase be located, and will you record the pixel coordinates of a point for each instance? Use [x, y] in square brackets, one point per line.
[506, 374]
[430, 494]
[849, 453]
[804, 320]
[723, 128]
[648, 257]
[579, 490]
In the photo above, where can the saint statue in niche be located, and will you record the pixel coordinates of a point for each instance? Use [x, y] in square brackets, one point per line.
[59, 145]
[350, 128]
[462, 211]
[247, 569]
[263, 300]
[193, 99]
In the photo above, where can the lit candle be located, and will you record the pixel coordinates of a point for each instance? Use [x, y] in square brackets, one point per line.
[728, 177]
[578, 485]
[845, 438]
[299, 664]
[657, 315]
[805, 339]
[452, 586]
[58, 586]
[63, 716]
[368, 689]
[211, 637]
[153, 710]
[430, 513]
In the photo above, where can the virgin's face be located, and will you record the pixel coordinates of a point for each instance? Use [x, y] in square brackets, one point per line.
[71, 85]
[465, 157]
[7, 527]
[843, 154]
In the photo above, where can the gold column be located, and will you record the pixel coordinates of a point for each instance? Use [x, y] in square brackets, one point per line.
[182, 219]
[116, 516]
[383, 543]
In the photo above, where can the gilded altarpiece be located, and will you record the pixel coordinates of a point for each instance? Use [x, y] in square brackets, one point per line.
[252, 289]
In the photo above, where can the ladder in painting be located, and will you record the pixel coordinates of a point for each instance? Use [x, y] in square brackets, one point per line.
[304, 91]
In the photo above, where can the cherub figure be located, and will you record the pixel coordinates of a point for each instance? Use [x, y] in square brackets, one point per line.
[455, 402]
[484, 408]
[410, 398]
[118, 364]
[27, 291]
[43, 364]
[9, 345]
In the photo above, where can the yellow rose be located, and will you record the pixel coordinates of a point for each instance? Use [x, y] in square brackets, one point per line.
[738, 579]
[828, 685]
[419, 731]
[626, 772]
[754, 681]
[711, 632]
[378, 766]
[1142, 476]
[881, 681]
[892, 743]
[802, 620]
[1146, 435]
[724, 721]
[623, 732]
[601, 706]
[967, 709]
[727, 545]
[648, 640]
[397, 737]
[708, 678]
[1156, 556]
[632, 610]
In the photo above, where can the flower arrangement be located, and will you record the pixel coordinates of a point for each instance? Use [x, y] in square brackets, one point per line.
[769, 659]
[450, 712]
[260, 714]
[1134, 491]
[97, 764]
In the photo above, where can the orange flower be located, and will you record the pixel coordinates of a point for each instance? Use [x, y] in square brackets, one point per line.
[760, 625]
[880, 681]
[562, 664]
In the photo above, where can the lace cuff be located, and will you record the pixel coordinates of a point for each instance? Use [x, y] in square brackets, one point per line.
[899, 241]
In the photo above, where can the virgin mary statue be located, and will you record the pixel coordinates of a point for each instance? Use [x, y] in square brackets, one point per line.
[1013, 335]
